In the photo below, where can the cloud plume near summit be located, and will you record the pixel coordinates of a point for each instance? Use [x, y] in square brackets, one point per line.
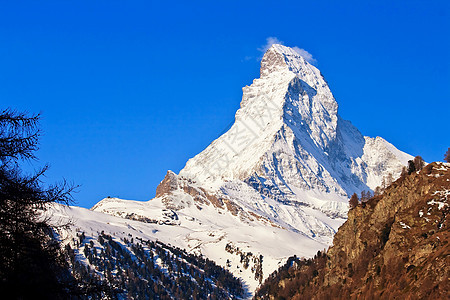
[274, 40]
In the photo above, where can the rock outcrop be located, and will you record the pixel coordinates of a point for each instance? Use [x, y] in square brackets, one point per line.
[395, 246]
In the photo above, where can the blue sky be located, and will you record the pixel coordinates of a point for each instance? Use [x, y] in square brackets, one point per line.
[130, 89]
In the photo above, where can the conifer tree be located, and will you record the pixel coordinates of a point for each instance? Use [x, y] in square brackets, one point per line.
[26, 245]
[411, 167]
[447, 155]
[353, 202]
[32, 264]
[419, 163]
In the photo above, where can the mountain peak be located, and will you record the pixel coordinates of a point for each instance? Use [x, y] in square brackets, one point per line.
[289, 115]
[280, 175]
[279, 57]
[288, 52]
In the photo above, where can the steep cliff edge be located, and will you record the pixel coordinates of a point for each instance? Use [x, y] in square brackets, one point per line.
[395, 246]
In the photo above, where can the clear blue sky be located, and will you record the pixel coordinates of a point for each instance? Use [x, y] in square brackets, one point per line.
[130, 89]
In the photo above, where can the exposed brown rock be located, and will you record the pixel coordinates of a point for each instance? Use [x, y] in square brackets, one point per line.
[197, 194]
[217, 202]
[394, 247]
[173, 182]
[168, 184]
[271, 61]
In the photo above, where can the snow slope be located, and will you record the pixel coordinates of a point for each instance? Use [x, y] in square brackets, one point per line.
[275, 184]
[194, 232]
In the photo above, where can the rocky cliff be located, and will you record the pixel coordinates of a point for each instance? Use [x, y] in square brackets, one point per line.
[395, 246]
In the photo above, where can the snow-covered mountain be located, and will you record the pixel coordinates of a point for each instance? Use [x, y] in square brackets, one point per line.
[275, 184]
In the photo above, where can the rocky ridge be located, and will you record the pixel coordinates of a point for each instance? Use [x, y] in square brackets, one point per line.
[395, 246]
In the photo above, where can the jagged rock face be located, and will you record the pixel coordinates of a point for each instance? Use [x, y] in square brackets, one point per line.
[395, 246]
[398, 243]
[290, 143]
[168, 184]
[272, 61]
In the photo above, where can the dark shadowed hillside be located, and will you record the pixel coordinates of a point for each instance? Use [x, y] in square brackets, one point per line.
[395, 246]
[134, 268]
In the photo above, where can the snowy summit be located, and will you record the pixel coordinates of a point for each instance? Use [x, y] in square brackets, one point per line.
[275, 184]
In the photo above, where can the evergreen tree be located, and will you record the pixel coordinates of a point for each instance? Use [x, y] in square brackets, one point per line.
[32, 264]
[419, 163]
[411, 167]
[353, 202]
[447, 155]
[365, 196]
[404, 172]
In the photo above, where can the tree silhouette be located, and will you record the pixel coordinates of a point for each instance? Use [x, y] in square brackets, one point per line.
[404, 172]
[365, 196]
[31, 264]
[378, 191]
[411, 167]
[353, 202]
[419, 163]
[447, 155]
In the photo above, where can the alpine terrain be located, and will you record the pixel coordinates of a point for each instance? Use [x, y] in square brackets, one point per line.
[275, 184]
[393, 246]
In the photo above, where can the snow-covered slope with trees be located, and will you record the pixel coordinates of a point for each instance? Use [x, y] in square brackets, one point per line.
[275, 184]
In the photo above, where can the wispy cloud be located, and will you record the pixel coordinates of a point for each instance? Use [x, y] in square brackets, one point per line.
[273, 40]
[269, 42]
[306, 55]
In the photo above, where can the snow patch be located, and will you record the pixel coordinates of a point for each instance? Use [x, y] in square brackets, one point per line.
[440, 204]
[404, 226]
